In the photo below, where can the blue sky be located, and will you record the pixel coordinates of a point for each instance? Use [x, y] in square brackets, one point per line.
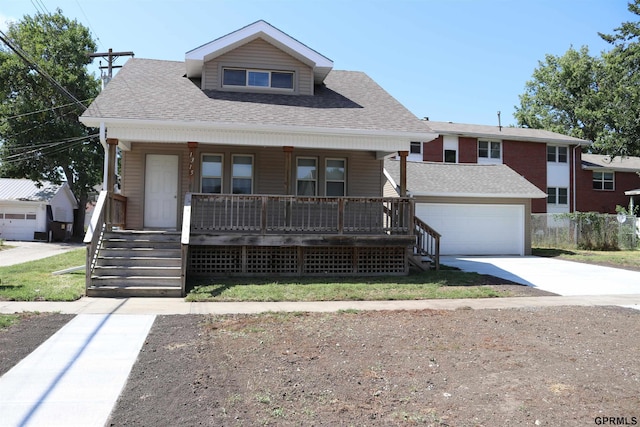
[449, 60]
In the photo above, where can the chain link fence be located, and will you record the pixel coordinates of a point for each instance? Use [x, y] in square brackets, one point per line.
[585, 230]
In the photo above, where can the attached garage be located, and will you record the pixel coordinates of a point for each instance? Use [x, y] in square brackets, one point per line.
[32, 212]
[477, 209]
[477, 229]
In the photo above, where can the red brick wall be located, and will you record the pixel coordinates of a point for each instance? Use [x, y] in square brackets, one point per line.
[604, 201]
[467, 150]
[529, 159]
[432, 151]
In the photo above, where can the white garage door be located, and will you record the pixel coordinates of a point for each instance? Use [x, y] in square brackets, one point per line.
[17, 223]
[476, 229]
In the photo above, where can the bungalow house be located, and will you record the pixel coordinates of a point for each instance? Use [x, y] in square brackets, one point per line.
[547, 159]
[251, 157]
[478, 209]
[32, 211]
[604, 183]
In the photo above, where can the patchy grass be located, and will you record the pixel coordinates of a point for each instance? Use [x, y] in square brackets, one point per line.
[7, 320]
[427, 285]
[33, 281]
[621, 259]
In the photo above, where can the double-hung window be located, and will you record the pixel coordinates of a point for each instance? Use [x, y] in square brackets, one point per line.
[335, 177]
[556, 154]
[211, 173]
[242, 174]
[557, 196]
[489, 150]
[603, 181]
[241, 77]
[306, 176]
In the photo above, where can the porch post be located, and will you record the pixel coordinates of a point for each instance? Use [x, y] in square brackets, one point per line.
[112, 143]
[403, 172]
[287, 169]
[192, 159]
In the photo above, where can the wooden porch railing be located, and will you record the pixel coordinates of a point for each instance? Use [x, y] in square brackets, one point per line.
[427, 241]
[100, 223]
[263, 214]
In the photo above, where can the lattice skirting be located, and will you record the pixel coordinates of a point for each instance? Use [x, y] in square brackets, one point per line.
[312, 261]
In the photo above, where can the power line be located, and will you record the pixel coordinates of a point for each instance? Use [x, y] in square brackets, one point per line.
[34, 65]
[41, 111]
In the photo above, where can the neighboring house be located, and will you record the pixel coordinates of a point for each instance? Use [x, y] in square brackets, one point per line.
[478, 209]
[603, 183]
[32, 212]
[547, 159]
[259, 156]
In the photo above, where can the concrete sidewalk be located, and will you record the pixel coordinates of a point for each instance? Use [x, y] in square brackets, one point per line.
[171, 306]
[76, 376]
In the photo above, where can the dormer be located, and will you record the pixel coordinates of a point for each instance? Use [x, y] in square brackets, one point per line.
[258, 58]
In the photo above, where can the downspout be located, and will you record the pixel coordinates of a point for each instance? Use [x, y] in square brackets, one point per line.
[575, 179]
[103, 141]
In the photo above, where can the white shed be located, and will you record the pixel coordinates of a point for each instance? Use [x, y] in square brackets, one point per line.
[32, 211]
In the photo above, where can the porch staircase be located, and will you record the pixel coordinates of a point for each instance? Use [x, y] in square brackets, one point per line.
[137, 264]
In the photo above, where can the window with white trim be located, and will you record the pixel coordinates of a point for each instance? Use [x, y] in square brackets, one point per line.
[306, 176]
[270, 79]
[489, 150]
[211, 181]
[557, 196]
[335, 177]
[242, 174]
[603, 180]
[557, 154]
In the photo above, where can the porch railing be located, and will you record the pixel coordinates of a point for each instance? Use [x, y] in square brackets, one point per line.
[427, 241]
[100, 222]
[265, 214]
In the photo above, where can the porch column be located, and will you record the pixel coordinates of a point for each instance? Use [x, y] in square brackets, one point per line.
[287, 169]
[403, 172]
[192, 158]
[112, 144]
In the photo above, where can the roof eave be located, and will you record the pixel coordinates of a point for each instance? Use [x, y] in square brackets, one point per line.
[539, 195]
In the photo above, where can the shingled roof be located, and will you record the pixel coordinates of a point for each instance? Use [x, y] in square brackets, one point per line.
[463, 180]
[620, 164]
[505, 132]
[158, 91]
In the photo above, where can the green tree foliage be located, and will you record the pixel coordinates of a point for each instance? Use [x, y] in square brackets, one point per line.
[594, 98]
[622, 86]
[564, 95]
[40, 134]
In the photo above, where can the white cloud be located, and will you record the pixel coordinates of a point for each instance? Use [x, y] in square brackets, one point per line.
[4, 22]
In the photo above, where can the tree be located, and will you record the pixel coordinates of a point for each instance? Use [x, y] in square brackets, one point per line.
[44, 85]
[622, 87]
[564, 96]
[594, 98]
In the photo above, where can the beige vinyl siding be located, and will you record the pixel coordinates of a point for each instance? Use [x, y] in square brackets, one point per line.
[258, 54]
[133, 167]
[364, 172]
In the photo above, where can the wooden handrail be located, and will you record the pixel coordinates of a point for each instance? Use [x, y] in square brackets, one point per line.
[427, 241]
[94, 234]
[274, 214]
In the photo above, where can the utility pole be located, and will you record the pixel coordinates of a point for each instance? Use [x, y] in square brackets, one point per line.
[110, 57]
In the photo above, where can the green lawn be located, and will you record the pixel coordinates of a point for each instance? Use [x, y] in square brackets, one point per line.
[622, 259]
[427, 285]
[33, 281]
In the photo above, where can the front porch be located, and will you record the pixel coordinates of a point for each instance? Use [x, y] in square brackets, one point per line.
[251, 235]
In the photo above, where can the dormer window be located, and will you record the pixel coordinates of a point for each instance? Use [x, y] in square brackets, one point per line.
[241, 77]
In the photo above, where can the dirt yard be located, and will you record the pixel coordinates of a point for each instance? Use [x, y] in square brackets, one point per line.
[569, 366]
[566, 366]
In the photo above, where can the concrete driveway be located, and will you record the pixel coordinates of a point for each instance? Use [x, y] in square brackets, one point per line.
[29, 251]
[553, 275]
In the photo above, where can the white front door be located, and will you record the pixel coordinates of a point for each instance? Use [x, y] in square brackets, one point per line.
[161, 191]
